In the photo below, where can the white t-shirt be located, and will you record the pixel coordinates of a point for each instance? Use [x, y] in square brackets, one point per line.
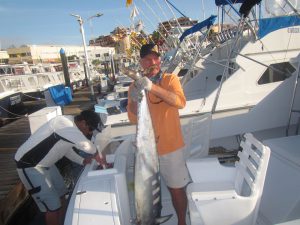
[52, 141]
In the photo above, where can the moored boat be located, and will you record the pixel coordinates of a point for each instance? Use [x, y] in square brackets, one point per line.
[261, 188]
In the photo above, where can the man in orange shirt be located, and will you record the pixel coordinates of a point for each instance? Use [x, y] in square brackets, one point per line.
[165, 96]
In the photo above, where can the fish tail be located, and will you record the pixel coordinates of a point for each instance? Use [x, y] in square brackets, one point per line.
[163, 219]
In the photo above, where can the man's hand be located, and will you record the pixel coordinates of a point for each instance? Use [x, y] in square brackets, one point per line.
[130, 73]
[101, 160]
[143, 83]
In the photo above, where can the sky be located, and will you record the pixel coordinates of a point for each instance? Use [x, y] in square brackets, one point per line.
[49, 22]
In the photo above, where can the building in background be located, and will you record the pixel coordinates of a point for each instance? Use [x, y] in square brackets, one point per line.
[110, 40]
[3, 57]
[166, 26]
[104, 41]
[34, 54]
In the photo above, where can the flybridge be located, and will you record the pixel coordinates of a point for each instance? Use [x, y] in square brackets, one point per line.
[227, 2]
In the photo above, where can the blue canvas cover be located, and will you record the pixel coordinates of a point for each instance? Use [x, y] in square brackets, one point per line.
[61, 95]
[267, 25]
[197, 27]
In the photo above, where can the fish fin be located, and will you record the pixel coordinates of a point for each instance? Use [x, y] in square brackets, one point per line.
[163, 219]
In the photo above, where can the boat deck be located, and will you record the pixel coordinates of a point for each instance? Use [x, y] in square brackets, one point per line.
[14, 134]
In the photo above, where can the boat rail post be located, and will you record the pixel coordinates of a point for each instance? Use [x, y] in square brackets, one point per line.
[64, 63]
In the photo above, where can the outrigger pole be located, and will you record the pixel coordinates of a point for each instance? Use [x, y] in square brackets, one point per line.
[176, 8]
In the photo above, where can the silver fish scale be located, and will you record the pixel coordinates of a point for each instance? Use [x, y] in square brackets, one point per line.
[147, 179]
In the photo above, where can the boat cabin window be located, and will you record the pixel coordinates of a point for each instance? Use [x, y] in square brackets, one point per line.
[276, 72]
[34, 70]
[47, 69]
[2, 71]
[123, 94]
[6, 83]
[58, 68]
[32, 81]
[182, 72]
[232, 67]
[5, 70]
[219, 78]
[19, 71]
[126, 84]
[123, 105]
[16, 83]
[121, 108]
[114, 110]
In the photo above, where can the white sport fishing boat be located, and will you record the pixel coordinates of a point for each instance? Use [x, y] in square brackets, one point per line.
[11, 105]
[31, 80]
[261, 195]
[255, 71]
[261, 188]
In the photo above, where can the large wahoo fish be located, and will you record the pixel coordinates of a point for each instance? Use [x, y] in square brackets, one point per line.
[147, 178]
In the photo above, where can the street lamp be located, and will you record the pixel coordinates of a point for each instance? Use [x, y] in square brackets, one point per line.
[80, 20]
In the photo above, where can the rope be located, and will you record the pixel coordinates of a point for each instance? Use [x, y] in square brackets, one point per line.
[163, 12]
[178, 24]
[167, 32]
[176, 9]
[33, 97]
[288, 46]
[151, 23]
[18, 115]
[157, 17]
[174, 17]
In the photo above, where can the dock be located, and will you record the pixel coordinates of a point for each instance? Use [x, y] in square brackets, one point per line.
[12, 136]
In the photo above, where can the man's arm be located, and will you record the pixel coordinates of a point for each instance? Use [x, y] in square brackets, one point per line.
[73, 156]
[174, 96]
[167, 96]
[74, 136]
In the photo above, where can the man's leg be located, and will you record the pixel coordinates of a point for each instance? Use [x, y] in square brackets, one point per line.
[53, 217]
[179, 200]
[176, 177]
[36, 181]
[56, 217]
[63, 209]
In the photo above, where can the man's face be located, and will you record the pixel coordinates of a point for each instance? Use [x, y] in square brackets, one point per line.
[150, 64]
[85, 128]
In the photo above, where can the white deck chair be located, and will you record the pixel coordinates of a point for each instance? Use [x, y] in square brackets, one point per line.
[228, 195]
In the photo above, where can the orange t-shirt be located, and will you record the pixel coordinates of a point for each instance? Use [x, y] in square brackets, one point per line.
[165, 117]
